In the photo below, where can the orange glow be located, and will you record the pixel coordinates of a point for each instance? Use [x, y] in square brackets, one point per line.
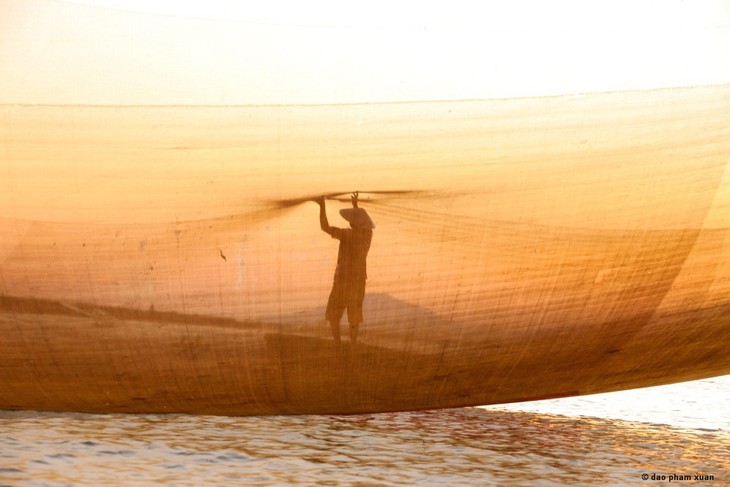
[155, 170]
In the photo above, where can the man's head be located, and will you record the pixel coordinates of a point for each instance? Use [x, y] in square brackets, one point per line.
[358, 218]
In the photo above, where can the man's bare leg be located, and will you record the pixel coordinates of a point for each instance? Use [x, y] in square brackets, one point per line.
[353, 332]
[335, 326]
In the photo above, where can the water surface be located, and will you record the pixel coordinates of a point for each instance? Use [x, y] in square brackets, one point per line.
[471, 446]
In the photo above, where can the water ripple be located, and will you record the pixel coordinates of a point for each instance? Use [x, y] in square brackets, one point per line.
[451, 447]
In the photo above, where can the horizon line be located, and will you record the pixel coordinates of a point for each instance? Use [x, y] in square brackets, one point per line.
[363, 103]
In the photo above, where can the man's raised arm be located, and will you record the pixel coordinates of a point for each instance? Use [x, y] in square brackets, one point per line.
[323, 216]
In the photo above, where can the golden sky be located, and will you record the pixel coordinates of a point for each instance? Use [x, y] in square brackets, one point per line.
[280, 52]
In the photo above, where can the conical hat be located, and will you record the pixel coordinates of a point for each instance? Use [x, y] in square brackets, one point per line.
[357, 217]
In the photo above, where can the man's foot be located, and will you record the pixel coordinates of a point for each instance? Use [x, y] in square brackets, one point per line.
[335, 327]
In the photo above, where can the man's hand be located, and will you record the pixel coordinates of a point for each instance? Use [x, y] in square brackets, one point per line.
[319, 200]
[354, 197]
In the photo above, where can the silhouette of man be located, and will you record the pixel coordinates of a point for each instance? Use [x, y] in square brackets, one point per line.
[348, 288]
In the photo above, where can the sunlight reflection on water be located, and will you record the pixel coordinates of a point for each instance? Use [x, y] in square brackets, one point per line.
[702, 404]
[471, 446]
